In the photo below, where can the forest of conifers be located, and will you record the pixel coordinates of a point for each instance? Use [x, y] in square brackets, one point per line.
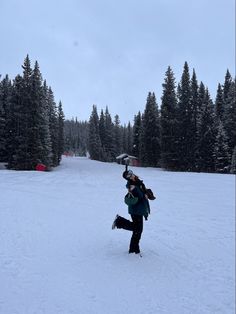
[31, 124]
[186, 131]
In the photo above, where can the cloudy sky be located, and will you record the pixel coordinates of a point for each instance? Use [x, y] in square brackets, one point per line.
[112, 53]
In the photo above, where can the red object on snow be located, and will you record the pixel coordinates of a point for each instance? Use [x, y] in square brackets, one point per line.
[41, 167]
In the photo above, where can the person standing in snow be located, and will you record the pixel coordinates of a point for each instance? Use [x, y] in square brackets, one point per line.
[138, 207]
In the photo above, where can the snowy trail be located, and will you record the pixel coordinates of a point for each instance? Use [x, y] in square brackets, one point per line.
[58, 254]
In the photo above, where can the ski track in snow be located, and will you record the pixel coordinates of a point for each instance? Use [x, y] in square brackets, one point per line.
[58, 254]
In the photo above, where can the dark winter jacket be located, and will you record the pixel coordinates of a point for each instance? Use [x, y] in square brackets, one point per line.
[142, 205]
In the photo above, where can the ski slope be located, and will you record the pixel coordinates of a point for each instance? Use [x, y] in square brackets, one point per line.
[58, 254]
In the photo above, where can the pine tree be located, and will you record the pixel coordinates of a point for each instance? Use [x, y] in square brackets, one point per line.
[168, 122]
[227, 84]
[94, 141]
[45, 128]
[230, 116]
[219, 104]
[38, 124]
[117, 135]
[102, 135]
[137, 135]
[233, 162]
[150, 155]
[206, 135]
[53, 126]
[14, 125]
[201, 96]
[185, 142]
[194, 107]
[61, 119]
[5, 99]
[124, 134]
[221, 150]
[19, 121]
[129, 138]
[109, 137]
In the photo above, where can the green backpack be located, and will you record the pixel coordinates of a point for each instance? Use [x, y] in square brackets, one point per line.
[130, 199]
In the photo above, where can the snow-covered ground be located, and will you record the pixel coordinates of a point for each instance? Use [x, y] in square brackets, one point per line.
[58, 254]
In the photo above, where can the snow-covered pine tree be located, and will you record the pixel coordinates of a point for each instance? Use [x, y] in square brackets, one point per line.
[117, 135]
[109, 137]
[219, 104]
[130, 138]
[94, 141]
[233, 162]
[53, 126]
[102, 135]
[185, 123]
[168, 122]
[14, 124]
[61, 119]
[38, 125]
[136, 135]
[221, 150]
[194, 107]
[230, 116]
[5, 99]
[124, 138]
[206, 135]
[2, 126]
[227, 84]
[45, 129]
[20, 158]
[150, 137]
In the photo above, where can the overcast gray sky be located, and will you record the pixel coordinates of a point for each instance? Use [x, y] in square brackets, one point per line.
[112, 53]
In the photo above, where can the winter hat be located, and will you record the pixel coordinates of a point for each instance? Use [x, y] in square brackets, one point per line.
[127, 174]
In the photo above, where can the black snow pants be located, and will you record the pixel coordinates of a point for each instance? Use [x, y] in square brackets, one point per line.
[136, 225]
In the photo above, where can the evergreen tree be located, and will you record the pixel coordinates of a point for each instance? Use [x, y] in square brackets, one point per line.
[15, 119]
[206, 135]
[194, 107]
[109, 137]
[201, 97]
[233, 162]
[168, 122]
[45, 134]
[38, 125]
[117, 135]
[94, 141]
[61, 119]
[219, 104]
[53, 126]
[5, 99]
[20, 154]
[230, 116]
[185, 122]
[102, 134]
[129, 138]
[227, 84]
[151, 133]
[137, 135]
[124, 134]
[221, 150]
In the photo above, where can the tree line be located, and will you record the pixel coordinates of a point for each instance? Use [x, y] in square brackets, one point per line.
[188, 131]
[31, 124]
